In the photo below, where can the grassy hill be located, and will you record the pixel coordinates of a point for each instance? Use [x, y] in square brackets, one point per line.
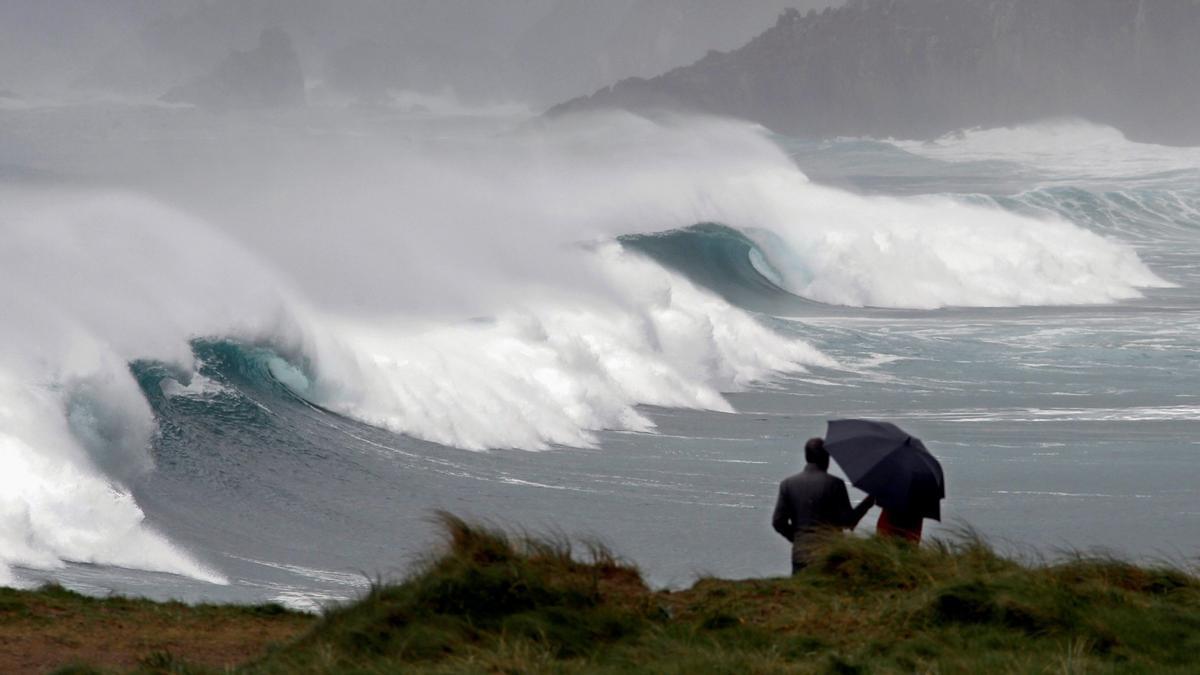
[493, 602]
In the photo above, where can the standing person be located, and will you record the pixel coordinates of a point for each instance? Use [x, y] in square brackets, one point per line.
[893, 466]
[813, 500]
[900, 525]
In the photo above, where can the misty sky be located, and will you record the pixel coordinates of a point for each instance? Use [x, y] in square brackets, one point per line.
[537, 51]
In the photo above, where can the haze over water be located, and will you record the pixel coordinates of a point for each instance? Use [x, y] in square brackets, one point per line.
[246, 354]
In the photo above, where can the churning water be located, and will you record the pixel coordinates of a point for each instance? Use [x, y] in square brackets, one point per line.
[244, 359]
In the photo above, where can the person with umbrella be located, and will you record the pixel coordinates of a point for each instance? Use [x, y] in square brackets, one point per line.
[812, 501]
[895, 468]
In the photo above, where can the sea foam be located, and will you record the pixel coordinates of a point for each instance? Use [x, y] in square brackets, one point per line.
[469, 295]
[1064, 148]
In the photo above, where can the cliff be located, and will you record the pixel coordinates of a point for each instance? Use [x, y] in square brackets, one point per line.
[922, 68]
[267, 76]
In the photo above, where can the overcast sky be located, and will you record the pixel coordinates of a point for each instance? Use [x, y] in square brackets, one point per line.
[538, 51]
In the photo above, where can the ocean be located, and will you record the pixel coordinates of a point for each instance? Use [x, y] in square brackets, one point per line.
[247, 357]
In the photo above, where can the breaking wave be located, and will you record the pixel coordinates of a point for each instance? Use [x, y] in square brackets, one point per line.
[721, 259]
[923, 253]
[480, 297]
[98, 282]
[1069, 149]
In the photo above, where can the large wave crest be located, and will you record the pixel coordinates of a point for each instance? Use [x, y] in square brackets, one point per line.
[468, 293]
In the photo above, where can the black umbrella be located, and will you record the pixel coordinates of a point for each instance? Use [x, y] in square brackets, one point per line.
[887, 463]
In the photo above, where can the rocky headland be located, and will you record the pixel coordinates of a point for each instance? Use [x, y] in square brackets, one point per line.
[922, 68]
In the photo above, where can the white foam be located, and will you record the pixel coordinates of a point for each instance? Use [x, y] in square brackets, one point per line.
[91, 282]
[374, 286]
[55, 506]
[557, 372]
[1131, 414]
[930, 252]
[198, 386]
[1045, 493]
[1071, 148]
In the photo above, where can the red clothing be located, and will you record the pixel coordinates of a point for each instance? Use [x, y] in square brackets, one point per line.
[900, 526]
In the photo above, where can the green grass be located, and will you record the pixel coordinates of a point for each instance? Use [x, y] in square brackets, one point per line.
[53, 628]
[495, 602]
[498, 603]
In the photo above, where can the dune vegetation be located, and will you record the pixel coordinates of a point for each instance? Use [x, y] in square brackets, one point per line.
[54, 629]
[497, 602]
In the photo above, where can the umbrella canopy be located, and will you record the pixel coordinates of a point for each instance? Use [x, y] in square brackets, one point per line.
[887, 463]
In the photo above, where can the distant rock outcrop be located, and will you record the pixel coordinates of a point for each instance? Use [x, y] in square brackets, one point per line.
[268, 76]
[921, 68]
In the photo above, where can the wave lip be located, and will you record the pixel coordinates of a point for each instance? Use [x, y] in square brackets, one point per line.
[95, 282]
[90, 282]
[928, 253]
[719, 258]
[938, 251]
[561, 371]
[56, 507]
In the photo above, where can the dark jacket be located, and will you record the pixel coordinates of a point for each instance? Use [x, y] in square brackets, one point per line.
[810, 501]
